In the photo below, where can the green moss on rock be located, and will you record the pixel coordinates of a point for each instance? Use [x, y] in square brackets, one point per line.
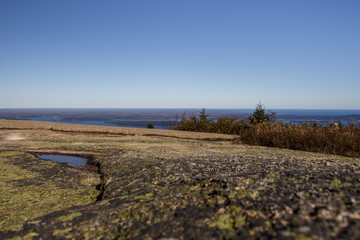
[30, 188]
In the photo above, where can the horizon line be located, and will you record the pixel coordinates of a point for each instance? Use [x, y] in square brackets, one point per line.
[149, 108]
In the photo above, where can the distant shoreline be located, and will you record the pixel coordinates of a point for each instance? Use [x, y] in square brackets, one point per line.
[77, 128]
[165, 118]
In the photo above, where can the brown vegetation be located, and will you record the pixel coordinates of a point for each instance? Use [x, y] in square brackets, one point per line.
[333, 139]
[264, 131]
[77, 128]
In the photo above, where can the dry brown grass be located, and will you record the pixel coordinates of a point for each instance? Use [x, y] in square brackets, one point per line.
[341, 140]
[64, 127]
[333, 139]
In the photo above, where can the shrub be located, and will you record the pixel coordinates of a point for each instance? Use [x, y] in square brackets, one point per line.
[225, 125]
[150, 125]
[333, 139]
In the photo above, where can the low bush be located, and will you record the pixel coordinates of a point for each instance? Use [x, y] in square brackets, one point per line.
[332, 139]
[224, 125]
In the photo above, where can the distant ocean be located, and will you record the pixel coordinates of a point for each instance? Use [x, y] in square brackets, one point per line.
[167, 118]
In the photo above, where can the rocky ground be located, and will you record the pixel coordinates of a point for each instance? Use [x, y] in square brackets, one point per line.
[149, 184]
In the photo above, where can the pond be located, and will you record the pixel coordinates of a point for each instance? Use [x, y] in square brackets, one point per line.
[72, 160]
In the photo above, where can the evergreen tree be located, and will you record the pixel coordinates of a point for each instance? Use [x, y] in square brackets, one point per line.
[203, 116]
[259, 115]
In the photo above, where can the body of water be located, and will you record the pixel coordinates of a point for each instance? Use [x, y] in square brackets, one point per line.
[167, 118]
[131, 123]
[73, 161]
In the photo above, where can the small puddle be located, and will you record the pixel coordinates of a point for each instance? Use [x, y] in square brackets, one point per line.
[87, 163]
[73, 161]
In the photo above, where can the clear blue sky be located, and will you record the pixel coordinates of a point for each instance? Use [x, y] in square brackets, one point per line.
[181, 54]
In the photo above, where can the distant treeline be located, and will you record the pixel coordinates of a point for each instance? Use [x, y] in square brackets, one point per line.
[262, 128]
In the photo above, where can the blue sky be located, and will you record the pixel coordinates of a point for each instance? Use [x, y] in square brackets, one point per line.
[180, 54]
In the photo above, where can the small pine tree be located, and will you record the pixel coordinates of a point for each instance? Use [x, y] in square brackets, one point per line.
[150, 125]
[203, 116]
[259, 115]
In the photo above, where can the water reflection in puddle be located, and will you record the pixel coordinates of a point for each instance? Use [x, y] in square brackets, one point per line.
[73, 161]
